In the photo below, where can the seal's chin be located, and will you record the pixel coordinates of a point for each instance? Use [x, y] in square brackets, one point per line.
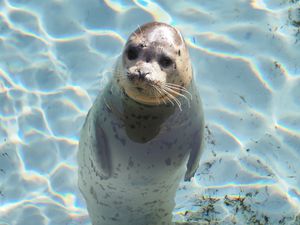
[142, 95]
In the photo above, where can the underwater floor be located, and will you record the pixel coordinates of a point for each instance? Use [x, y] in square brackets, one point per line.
[55, 56]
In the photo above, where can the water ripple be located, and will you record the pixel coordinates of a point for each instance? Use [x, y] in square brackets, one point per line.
[57, 55]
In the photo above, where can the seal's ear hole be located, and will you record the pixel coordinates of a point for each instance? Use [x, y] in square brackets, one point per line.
[165, 61]
[132, 53]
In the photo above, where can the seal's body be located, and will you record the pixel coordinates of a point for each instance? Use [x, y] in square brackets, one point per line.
[134, 150]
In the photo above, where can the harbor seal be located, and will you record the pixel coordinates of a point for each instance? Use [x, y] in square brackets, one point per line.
[144, 132]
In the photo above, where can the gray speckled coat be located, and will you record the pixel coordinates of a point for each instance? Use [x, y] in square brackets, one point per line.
[132, 157]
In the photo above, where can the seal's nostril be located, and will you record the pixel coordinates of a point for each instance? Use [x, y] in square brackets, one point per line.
[130, 76]
[139, 75]
[142, 75]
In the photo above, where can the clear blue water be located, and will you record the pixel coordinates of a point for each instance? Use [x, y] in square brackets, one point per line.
[56, 55]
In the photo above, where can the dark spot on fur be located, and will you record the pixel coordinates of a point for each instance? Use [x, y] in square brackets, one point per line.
[122, 140]
[118, 203]
[119, 167]
[130, 163]
[168, 144]
[168, 161]
[179, 53]
[114, 129]
[101, 186]
[132, 126]
[150, 203]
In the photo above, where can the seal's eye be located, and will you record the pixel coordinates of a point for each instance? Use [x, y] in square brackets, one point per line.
[132, 53]
[165, 61]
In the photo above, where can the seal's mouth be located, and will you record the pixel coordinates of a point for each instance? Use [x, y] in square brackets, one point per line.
[142, 88]
[141, 82]
[138, 76]
[139, 89]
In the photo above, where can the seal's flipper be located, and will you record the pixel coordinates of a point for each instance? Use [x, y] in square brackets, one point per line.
[101, 152]
[96, 147]
[193, 162]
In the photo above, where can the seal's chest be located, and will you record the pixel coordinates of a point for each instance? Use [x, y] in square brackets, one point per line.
[164, 147]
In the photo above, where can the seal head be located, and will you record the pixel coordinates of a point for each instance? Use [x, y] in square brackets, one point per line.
[156, 64]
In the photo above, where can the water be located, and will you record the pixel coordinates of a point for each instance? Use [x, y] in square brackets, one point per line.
[56, 55]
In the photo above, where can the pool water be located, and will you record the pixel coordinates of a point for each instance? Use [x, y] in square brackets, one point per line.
[56, 55]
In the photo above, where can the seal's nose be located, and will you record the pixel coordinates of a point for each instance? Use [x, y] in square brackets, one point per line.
[138, 74]
[141, 74]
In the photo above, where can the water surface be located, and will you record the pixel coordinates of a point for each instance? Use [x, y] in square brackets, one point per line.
[55, 56]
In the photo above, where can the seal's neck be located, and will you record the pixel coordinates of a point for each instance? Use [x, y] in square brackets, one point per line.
[142, 122]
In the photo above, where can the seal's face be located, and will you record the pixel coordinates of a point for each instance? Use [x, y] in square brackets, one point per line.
[156, 64]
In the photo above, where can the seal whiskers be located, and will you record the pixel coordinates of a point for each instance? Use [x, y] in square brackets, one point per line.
[173, 98]
[158, 88]
[160, 95]
[164, 95]
[177, 93]
[179, 87]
